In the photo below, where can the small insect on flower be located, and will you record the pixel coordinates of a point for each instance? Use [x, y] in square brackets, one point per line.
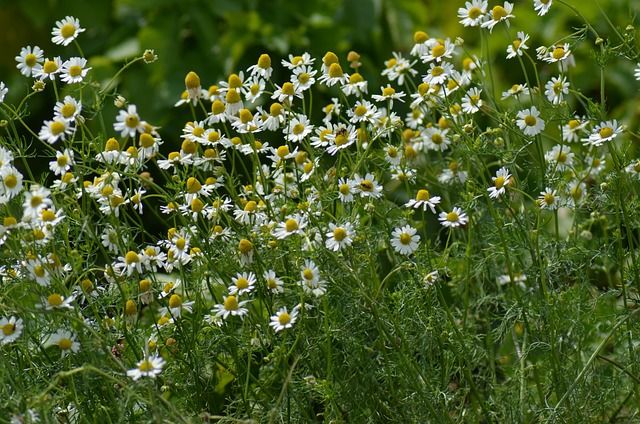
[603, 132]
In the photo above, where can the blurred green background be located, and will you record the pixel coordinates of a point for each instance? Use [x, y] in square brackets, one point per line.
[219, 37]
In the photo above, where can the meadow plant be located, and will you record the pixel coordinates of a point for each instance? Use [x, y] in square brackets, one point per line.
[430, 250]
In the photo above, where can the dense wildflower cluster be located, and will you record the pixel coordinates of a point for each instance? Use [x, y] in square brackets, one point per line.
[270, 209]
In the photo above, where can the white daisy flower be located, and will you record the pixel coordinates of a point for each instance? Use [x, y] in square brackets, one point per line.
[242, 283]
[473, 13]
[499, 14]
[542, 6]
[367, 186]
[65, 340]
[274, 283]
[423, 200]
[54, 130]
[560, 157]
[529, 121]
[230, 307]
[148, 367]
[30, 60]
[603, 132]
[282, 319]
[549, 199]
[339, 237]
[66, 31]
[10, 329]
[74, 70]
[453, 219]
[298, 128]
[518, 46]
[3, 91]
[500, 181]
[405, 240]
[346, 188]
[49, 69]
[471, 102]
[556, 89]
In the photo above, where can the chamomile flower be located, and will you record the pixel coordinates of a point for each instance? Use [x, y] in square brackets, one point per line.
[435, 138]
[298, 128]
[303, 78]
[294, 224]
[405, 240]
[346, 189]
[499, 14]
[283, 319]
[549, 199]
[423, 200]
[66, 31]
[500, 181]
[577, 191]
[515, 91]
[36, 200]
[421, 44]
[274, 284]
[363, 111]
[357, 85]
[310, 279]
[242, 283]
[65, 340]
[339, 237]
[341, 138]
[367, 186]
[473, 13]
[636, 72]
[603, 132]
[573, 130]
[296, 61]
[440, 50]
[263, 68]
[128, 122]
[150, 366]
[558, 53]
[49, 69]
[3, 91]
[560, 157]
[54, 130]
[286, 93]
[471, 102]
[556, 88]
[230, 307]
[529, 121]
[63, 163]
[334, 75]
[542, 6]
[55, 301]
[74, 70]
[518, 46]
[255, 90]
[10, 329]
[68, 109]
[128, 264]
[176, 306]
[388, 94]
[398, 68]
[453, 219]
[438, 73]
[10, 182]
[30, 60]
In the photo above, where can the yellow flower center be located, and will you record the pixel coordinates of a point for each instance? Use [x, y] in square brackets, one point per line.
[9, 221]
[65, 344]
[438, 50]
[251, 206]
[329, 59]
[231, 303]
[48, 215]
[360, 110]
[422, 196]
[50, 66]
[75, 70]
[573, 124]
[499, 182]
[437, 71]
[452, 217]
[636, 167]
[131, 257]
[516, 43]
[232, 96]
[284, 318]
[181, 243]
[291, 225]
[168, 287]
[420, 37]
[341, 139]
[87, 285]
[54, 300]
[335, 71]
[242, 283]
[530, 120]
[557, 87]
[57, 127]
[30, 60]
[474, 99]
[344, 189]
[606, 132]
[111, 145]
[132, 121]
[303, 78]
[405, 238]
[38, 270]
[175, 301]
[576, 193]
[255, 89]
[308, 167]
[234, 81]
[388, 91]
[197, 205]
[297, 60]
[144, 286]
[288, 89]
[558, 53]
[264, 61]
[130, 308]
[283, 151]
[298, 129]
[561, 157]
[307, 274]
[245, 246]
[217, 107]
[146, 366]
[355, 78]
[11, 181]
[35, 201]
[146, 140]
[392, 152]
[366, 185]
[549, 199]
[474, 12]
[275, 109]
[339, 234]
[8, 329]
[68, 110]
[62, 160]
[67, 30]
[437, 139]
[498, 13]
